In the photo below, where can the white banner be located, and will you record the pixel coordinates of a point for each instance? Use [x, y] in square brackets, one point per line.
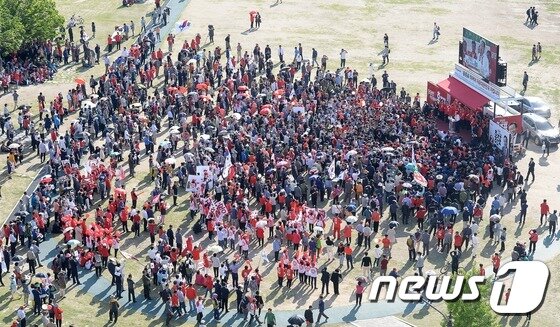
[498, 136]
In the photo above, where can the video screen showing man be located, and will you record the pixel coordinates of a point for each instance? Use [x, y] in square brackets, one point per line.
[478, 55]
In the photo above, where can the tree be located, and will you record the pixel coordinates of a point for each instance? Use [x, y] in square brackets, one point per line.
[473, 313]
[11, 30]
[40, 18]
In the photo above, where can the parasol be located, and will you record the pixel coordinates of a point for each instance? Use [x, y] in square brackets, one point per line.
[261, 224]
[201, 86]
[80, 81]
[351, 219]
[68, 229]
[14, 146]
[17, 258]
[448, 211]
[46, 179]
[170, 161]
[407, 185]
[191, 61]
[205, 137]
[214, 249]
[73, 243]
[264, 112]
[41, 275]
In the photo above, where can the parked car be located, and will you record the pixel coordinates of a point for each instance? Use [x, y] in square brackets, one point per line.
[534, 105]
[540, 129]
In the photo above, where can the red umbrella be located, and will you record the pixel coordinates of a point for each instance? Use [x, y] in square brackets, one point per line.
[242, 88]
[46, 179]
[253, 12]
[80, 81]
[265, 111]
[183, 89]
[201, 86]
[279, 92]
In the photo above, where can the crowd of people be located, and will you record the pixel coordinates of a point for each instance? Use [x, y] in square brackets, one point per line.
[305, 158]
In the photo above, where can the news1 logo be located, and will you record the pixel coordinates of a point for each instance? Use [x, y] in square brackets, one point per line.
[527, 290]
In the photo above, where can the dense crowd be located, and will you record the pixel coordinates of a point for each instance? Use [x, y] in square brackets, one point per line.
[307, 158]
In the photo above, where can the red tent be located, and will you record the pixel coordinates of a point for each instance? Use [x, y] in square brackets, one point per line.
[463, 93]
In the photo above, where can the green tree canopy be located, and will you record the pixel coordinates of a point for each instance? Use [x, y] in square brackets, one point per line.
[23, 21]
[473, 313]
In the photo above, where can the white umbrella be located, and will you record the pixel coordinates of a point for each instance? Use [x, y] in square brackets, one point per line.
[88, 103]
[170, 161]
[318, 229]
[205, 136]
[351, 153]
[189, 154]
[407, 185]
[174, 131]
[209, 149]
[73, 243]
[68, 229]
[261, 224]
[351, 219]
[214, 248]
[387, 149]
[14, 146]
[191, 61]
[165, 144]
[236, 116]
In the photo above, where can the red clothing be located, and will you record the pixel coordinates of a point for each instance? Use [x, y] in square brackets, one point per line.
[544, 208]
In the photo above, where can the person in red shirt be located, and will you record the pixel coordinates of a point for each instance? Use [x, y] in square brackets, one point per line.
[481, 270]
[457, 241]
[545, 210]
[296, 239]
[281, 274]
[347, 233]
[57, 310]
[348, 254]
[109, 43]
[289, 276]
[260, 236]
[336, 227]
[420, 216]
[496, 260]
[190, 293]
[383, 265]
[533, 238]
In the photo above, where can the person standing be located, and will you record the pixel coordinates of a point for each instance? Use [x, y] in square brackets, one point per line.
[281, 54]
[359, 293]
[130, 287]
[531, 171]
[325, 278]
[533, 239]
[343, 54]
[146, 281]
[21, 316]
[545, 210]
[420, 262]
[308, 315]
[525, 81]
[539, 50]
[534, 53]
[57, 314]
[366, 266]
[113, 309]
[336, 279]
[552, 220]
[270, 318]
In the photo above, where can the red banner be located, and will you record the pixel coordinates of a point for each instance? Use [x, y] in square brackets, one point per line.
[511, 123]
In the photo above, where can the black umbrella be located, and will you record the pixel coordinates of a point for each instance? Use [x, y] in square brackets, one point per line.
[296, 320]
